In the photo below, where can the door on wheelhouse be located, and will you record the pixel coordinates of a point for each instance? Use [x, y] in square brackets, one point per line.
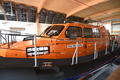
[74, 35]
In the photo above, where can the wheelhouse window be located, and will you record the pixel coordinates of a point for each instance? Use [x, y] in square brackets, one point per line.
[88, 32]
[55, 30]
[73, 32]
[45, 30]
[96, 32]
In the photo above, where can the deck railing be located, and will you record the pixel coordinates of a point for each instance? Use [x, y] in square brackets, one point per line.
[9, 37]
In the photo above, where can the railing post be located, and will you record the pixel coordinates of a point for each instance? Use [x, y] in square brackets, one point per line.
[95, 51]
[0, 37]
[113, 45]
[76, 52]
[6, 38]
[35, 51]
[8, 42]
[11, 42]
[15, 38]
[118, 42]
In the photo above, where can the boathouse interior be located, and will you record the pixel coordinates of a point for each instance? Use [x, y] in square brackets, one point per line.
[34, 16]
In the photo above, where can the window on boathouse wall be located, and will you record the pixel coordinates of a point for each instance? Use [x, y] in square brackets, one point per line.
[25, 13]
[50, 17]
[73, 32]
[56, 18]
[62, 18]
[21, 12]
[10, 9]
[31, 14]
[88, 32]
[96, 32]
[42, 15]
[1, 15]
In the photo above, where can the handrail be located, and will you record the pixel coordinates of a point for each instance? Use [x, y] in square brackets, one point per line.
[8, 42]
[113, 45]
[118, 42]
[66, 39]
[95, 51]
[13, 31]
[106, 48]
[75, 54]
[93, 25]
[35, 52]
[8, 38]
[3, 38]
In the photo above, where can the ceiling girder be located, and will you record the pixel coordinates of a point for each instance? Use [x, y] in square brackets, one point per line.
[41, 5]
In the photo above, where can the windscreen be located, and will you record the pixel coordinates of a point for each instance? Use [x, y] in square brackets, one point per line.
[55, 30]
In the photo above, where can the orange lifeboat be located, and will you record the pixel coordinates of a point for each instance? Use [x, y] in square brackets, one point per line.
[70, 43]
[59, 45]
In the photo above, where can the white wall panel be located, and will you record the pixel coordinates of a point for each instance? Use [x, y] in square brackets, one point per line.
[116, 27]
[30, 28]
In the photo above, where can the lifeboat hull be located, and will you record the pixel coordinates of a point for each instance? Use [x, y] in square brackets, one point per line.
[69, 72]
[29, 62]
